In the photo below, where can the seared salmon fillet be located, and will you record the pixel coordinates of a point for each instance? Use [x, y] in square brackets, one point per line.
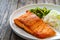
[34, 25]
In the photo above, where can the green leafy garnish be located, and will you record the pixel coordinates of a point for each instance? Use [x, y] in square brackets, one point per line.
[40, 12]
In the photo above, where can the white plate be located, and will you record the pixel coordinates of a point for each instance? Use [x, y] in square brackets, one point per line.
[21, 11]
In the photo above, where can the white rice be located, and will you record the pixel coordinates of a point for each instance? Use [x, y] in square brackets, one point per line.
[53, 19]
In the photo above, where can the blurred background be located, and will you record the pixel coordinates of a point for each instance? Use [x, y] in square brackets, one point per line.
[6, 9]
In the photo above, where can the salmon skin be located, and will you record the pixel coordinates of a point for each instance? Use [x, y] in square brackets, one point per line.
[34, 25]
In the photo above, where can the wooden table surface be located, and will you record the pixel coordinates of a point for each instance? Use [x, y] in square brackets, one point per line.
[6, 9]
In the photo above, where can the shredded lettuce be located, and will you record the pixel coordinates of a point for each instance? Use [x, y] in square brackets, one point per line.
[58, 17]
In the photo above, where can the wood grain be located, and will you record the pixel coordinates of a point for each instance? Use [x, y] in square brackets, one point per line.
[7, 7]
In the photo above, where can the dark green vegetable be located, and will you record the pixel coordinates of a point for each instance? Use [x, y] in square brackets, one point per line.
[40, 12]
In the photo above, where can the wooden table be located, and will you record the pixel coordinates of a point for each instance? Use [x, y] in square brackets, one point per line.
[6, 9]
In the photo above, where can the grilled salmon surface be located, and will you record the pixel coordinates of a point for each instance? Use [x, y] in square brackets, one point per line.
[34, 25]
